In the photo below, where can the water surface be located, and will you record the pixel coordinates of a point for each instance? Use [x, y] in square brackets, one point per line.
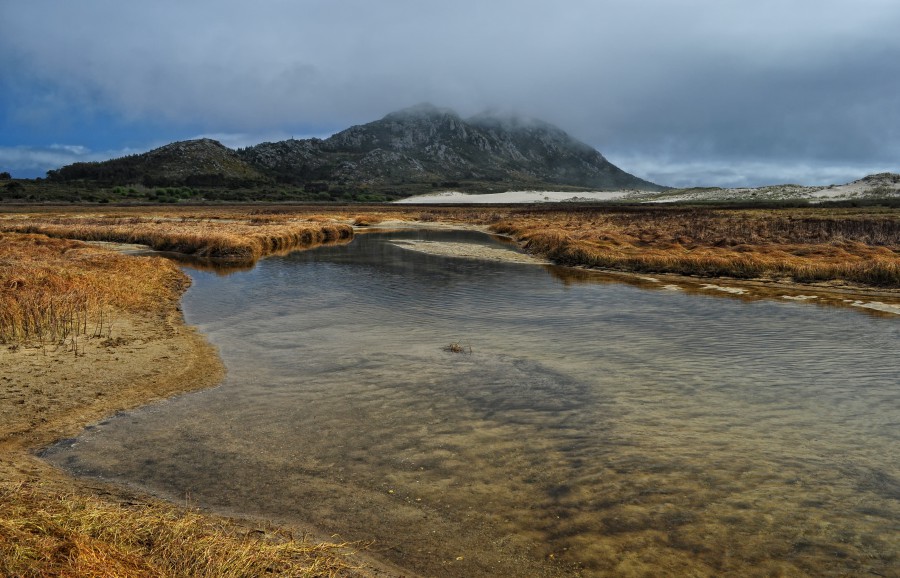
[595, 427]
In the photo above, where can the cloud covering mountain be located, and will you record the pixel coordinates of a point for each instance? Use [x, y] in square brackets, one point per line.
[701, 87]
[407, 151]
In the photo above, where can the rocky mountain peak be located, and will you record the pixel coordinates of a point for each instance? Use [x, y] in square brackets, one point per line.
[415, 148]
[426, 144]
[202, 148]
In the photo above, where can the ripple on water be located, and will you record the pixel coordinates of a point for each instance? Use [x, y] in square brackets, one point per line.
[598, 427]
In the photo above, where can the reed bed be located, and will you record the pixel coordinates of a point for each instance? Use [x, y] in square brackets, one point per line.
[231, 240]
[724, 227]
[45, 533]
[859, 246]
[54, 290]
[799, 247]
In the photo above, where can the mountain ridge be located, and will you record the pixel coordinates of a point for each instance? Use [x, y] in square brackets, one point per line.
[197, 162]
[416, 148]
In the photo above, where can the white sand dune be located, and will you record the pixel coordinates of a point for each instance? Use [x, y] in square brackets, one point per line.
[883, 185]
[516, 197]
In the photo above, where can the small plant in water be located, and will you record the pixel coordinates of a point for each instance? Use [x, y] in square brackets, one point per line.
[457, 347]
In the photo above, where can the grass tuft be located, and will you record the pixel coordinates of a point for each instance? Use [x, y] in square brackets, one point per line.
[53, 290]
[457, 347]
[45, 533]
[236, 241]
[804, 246]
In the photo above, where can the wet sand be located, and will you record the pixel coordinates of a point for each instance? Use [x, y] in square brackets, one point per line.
[470, 251]
[871, 299]
[49, 392]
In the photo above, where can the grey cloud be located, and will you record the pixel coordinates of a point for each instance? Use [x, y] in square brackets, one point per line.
[30, 162]
[722, 80]
[744, 173]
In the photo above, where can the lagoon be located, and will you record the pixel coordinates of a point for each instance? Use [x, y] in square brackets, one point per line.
[588, 425]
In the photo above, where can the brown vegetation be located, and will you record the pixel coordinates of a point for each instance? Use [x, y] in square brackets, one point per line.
[238, 241]
[52, 290]
[364, 220]
[859, 246]
[55, 291]
[46, 533]
[801, 246]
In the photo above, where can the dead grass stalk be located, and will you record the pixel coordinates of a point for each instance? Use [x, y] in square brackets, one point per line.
[242, 241]
[54, 290]
[802, 247]
[50, 534]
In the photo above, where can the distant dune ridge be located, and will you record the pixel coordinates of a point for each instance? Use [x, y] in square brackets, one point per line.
[422, 145]
[880, 187]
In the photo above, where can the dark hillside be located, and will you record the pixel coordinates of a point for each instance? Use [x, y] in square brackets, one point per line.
[203, 162]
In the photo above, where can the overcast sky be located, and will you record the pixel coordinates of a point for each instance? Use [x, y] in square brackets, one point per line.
[681, 92]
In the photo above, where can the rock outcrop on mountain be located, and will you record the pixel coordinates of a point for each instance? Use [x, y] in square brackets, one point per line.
[429, 145]
[405, 152]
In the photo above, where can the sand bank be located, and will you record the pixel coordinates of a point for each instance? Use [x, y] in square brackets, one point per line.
[48, 392]
[470, 251]
[456, 197]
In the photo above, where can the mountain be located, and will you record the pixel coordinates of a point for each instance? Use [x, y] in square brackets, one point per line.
[406, 152]
[202, 162]
[433, 146]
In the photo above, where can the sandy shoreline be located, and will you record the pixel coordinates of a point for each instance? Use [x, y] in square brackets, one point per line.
[881, 301]
[49, 393]
[470, 251]
[884, 302]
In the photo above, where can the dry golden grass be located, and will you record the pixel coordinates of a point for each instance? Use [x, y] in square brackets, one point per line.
[54, 289]
[46, 533]
[859, 246]
[245, 240]
[800, 246]
[366, 220]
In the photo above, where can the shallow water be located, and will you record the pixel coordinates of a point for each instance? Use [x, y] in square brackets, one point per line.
[595, 427]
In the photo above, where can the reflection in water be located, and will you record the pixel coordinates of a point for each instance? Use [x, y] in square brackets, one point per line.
[735, 289]
[596, 427]
[225, 267]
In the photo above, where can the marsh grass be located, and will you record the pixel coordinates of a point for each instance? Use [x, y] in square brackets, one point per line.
[59, 291]
[802, 247]
[457, 347]
[53, 290]
[855, 245]
[233, 240]
[45, 533]
[364, 220]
